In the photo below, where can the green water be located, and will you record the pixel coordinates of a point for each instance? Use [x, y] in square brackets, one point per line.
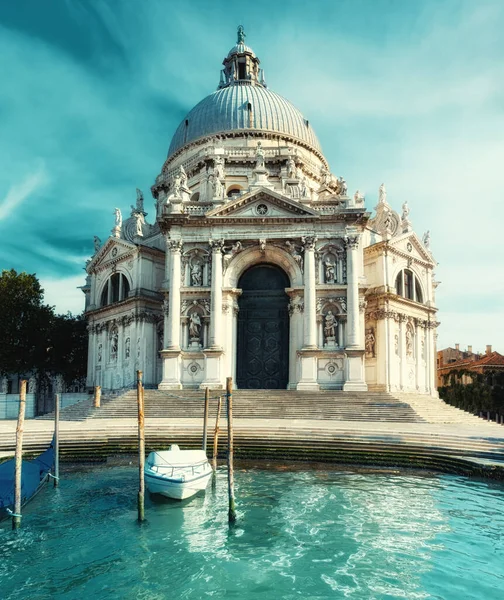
[302, 534]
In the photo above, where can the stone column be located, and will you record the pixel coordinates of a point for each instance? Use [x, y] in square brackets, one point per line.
[310, 296]
[215, 341]
[174, 299]
[353, 318]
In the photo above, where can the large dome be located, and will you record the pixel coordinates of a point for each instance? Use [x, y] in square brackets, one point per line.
[243, 107]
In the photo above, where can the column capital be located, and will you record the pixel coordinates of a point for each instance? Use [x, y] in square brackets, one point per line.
[174, 245]
[216, 245]
[309, 243]
[351, 241]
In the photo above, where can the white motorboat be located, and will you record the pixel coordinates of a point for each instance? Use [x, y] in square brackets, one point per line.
[177, 473]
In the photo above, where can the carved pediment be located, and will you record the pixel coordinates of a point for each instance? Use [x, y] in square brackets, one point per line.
[410, 245]
[112, 251]
[263, 204]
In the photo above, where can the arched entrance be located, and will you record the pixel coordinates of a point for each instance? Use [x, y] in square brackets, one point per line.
[263, 329]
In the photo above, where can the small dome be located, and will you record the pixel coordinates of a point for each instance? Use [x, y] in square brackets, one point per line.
[243, 107]
[240, 48]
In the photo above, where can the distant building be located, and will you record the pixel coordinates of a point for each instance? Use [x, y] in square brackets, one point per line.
[451, 360]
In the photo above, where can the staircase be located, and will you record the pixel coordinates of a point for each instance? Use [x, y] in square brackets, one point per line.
[252, 404]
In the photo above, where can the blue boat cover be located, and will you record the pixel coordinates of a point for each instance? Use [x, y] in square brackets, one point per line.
[32, 473]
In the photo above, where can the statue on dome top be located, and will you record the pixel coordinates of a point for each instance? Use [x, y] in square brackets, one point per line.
[241, 35]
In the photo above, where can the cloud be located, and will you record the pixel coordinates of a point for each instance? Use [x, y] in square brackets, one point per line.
[64, 294]
[18, 193]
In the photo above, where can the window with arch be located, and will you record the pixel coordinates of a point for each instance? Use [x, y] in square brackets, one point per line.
[233, 191]
[116, 289]
[408, 286]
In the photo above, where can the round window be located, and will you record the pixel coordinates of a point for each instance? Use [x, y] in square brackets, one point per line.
[262, 209]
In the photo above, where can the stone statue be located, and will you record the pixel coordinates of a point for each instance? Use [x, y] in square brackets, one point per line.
[241, 35]
[118, 218]
[97, 243]
[325, 175]
[295, 254]
[343, 187]
[426, 239]
[259, 156]
[262, 246]
[219, 167]
[196, 275]
[139, 221]
[139, 201]
[194, 325]
[405, 211]
[330, 325]
[370, 343]
[183, 176]
[358, 197]
[127, 348]
[303, 190]
[329, 271]
[177, 185]
[100, 350]
[230, 252]
[409, 342]
[396, 344]
[388, 223]
[113, 344]
[5, 385]
[32, 385]
[216, 186]
[291, 168]
[382, 194]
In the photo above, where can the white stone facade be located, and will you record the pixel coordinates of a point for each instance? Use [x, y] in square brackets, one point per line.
[234, 195]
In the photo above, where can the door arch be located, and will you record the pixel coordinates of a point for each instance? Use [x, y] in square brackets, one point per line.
[263, 329]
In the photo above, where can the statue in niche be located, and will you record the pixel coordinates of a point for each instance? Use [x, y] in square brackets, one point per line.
[382, 194]
[330, 325]
[370, 343]
[291, 168]
[426, 239]
[194, 325]
[329, 271]
[97, 243]
[118, 218]
[409, 342]
[196, 275]
[100, 351]
[114, 340]
[259, 156]
[32, 385]
[219, 167]
[127, 348]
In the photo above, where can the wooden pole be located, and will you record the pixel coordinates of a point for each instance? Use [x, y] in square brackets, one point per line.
[231, 495]
[56, 440]
[16, 517]
[141, 448]
[97, 396]
[205, 418]
[216, 435]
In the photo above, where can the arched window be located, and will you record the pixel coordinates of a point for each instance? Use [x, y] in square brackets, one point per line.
[116, 289]
[233, 191]
[408, 286]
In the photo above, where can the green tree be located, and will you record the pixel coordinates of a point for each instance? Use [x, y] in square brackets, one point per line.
[25, 323]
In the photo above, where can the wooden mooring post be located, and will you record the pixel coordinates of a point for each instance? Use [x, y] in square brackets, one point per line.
[205, 418]
[231, 494]
[216, 435]
[56, 439]
[16, 516]
[97, 396]
[141, 448]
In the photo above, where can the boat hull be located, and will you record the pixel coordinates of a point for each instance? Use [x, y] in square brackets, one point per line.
[175, 488]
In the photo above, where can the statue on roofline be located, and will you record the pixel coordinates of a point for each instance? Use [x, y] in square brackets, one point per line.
[241, 35]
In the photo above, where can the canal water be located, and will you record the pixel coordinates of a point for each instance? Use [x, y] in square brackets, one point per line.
[301, 534]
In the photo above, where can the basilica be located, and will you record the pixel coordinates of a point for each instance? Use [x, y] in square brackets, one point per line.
[258, 263]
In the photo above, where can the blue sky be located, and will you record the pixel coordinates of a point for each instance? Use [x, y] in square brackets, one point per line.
[410, 93]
